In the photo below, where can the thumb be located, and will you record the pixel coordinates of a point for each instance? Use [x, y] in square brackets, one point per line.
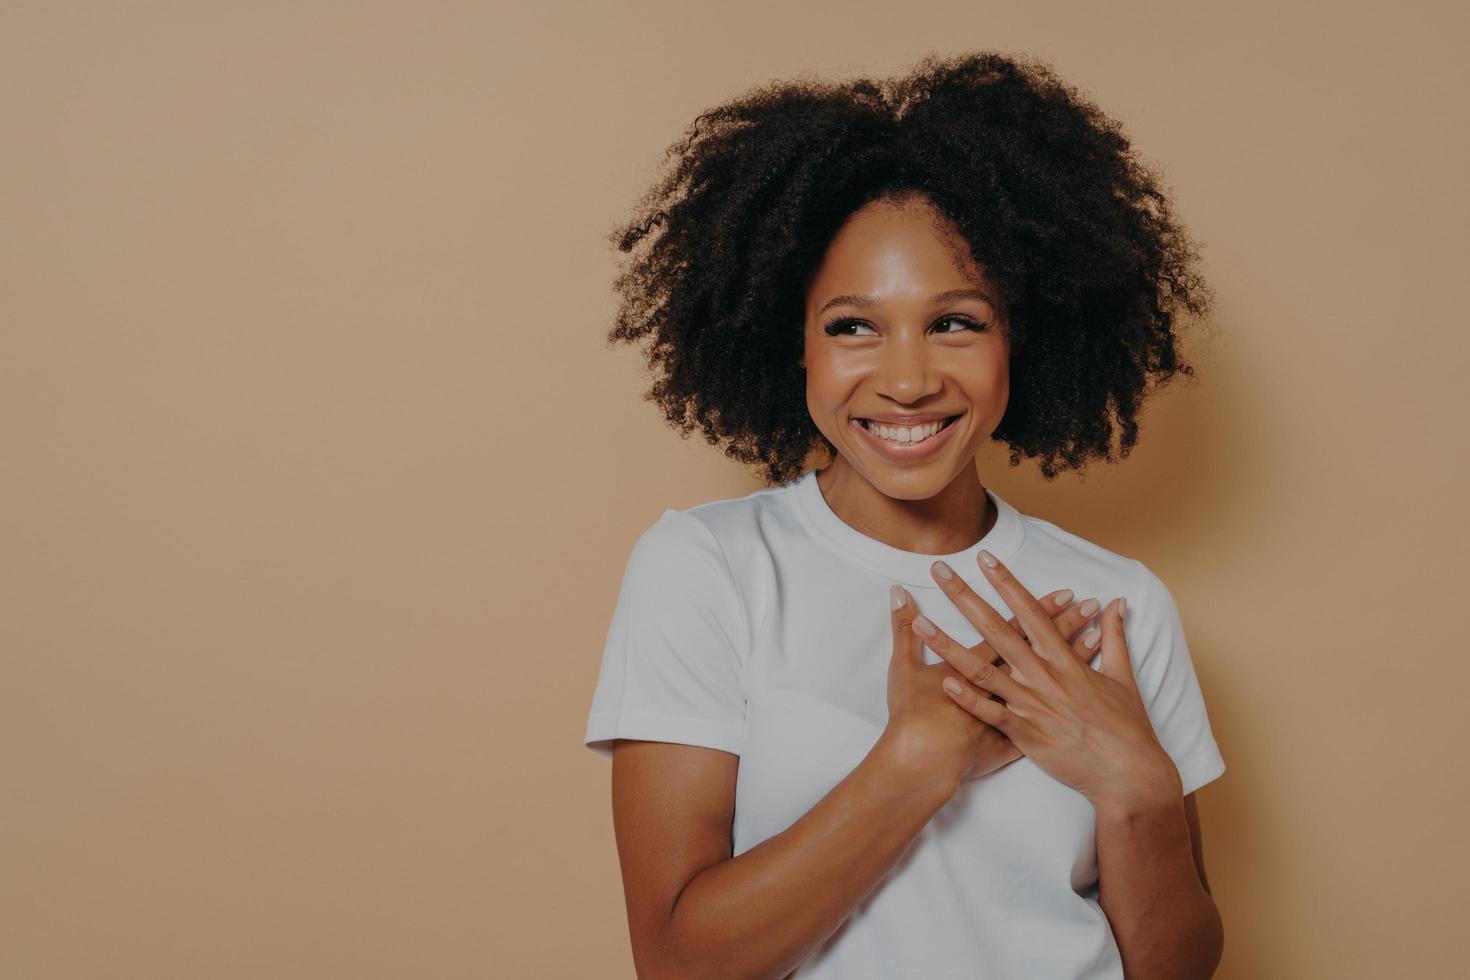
[908, 650]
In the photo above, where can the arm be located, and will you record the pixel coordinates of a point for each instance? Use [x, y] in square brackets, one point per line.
[694, 911]
[1152, 885]
[1151, 872]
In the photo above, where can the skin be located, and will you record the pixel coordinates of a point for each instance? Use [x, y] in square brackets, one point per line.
[1090, 729]
[1026, 688]
[894, 354]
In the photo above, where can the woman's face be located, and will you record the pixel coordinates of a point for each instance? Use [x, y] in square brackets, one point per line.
[901, 323]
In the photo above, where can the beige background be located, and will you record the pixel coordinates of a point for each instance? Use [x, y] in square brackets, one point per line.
[318, 479]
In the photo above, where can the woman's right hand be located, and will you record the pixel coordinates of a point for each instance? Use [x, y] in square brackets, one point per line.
[928, 732]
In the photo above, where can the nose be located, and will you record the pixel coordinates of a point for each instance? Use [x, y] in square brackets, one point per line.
[904, 370]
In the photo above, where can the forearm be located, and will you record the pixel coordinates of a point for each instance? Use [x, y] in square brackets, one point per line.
[1166, 925]
[760, 913]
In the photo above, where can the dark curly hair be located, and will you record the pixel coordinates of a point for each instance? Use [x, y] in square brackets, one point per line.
[1075, 232]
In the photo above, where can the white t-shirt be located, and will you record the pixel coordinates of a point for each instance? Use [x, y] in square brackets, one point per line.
[760, 625]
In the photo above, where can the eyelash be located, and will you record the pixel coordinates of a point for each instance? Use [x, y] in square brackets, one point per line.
[832, 328]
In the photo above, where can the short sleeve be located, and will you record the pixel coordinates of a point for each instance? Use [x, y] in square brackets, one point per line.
[1167, 681]
[676, 645]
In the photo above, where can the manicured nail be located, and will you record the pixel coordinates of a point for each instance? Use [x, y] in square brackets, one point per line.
[1090, 638]
[895, 592]
[952, 686]
[1063, 597]
[1088, 608]
[922, 624]
[987, 558]
[942, 570]
[1122, 606]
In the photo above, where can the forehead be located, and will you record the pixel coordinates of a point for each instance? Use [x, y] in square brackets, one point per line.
[896, 249]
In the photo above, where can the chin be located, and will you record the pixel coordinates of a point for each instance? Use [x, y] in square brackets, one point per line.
[910, 483]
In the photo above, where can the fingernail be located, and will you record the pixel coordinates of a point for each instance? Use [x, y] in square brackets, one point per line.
[987, 559]
[942, 570]
[951, 685]
[1090, 638]
[1088, 608]
[1064, 597]
[1122, 606]
[895, 592]
[922, 624]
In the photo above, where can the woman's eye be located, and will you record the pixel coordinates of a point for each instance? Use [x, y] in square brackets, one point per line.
[849, 328]
[839, 328]
[965, 323]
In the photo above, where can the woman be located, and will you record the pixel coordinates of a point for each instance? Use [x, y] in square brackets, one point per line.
[893, 273]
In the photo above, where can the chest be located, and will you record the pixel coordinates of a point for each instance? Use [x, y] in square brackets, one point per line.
[816, 690]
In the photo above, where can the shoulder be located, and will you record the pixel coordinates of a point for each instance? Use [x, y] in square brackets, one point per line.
[706, 553]
[729, 519]
[676, 552]
[1048, 546]
[1058, 558]
[710, 525]
[736, 530]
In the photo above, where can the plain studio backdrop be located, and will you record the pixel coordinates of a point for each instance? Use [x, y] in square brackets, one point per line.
[318, 477]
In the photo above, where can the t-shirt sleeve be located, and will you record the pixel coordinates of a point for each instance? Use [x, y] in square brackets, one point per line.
[1167, 681]
[671, 668]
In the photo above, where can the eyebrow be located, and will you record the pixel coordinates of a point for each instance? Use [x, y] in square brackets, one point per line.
[938, 299]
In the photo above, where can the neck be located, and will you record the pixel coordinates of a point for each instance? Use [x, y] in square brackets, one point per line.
[951, 520]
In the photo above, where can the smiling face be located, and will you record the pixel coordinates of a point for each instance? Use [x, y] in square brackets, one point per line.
[904, 333]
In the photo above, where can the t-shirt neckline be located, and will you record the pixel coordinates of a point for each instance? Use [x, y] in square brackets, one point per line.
[909, 567]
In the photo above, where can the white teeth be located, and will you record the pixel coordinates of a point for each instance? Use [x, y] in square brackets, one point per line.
[903, 435]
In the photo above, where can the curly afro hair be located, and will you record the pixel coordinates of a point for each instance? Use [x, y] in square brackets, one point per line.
[1074, 231]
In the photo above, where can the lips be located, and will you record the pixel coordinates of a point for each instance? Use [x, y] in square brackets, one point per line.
[919, 418]
[904, 452]
[923, 422]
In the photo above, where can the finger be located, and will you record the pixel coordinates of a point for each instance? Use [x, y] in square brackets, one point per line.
[907, 649]
[1042, 633]
[972, 666]
[1071, 618]
[1076, 616]
[1057, 603]
[1117, 663]
[1087, 646]
[996, 631]
[973, 700]
[1069, 621]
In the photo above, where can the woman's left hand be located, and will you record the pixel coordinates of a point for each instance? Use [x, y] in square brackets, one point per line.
[1087, 728]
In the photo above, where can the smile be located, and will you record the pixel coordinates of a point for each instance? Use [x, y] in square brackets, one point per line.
[901, 443]
[905, 435]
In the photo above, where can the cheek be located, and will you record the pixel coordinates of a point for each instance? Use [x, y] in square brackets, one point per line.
[828, 393]
[987, 384]
[822, 398]
[992, 376]
[825, 382]
[1000, 394]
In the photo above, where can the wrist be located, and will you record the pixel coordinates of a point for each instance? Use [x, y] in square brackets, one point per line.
[1149, 786]
[909, 766]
